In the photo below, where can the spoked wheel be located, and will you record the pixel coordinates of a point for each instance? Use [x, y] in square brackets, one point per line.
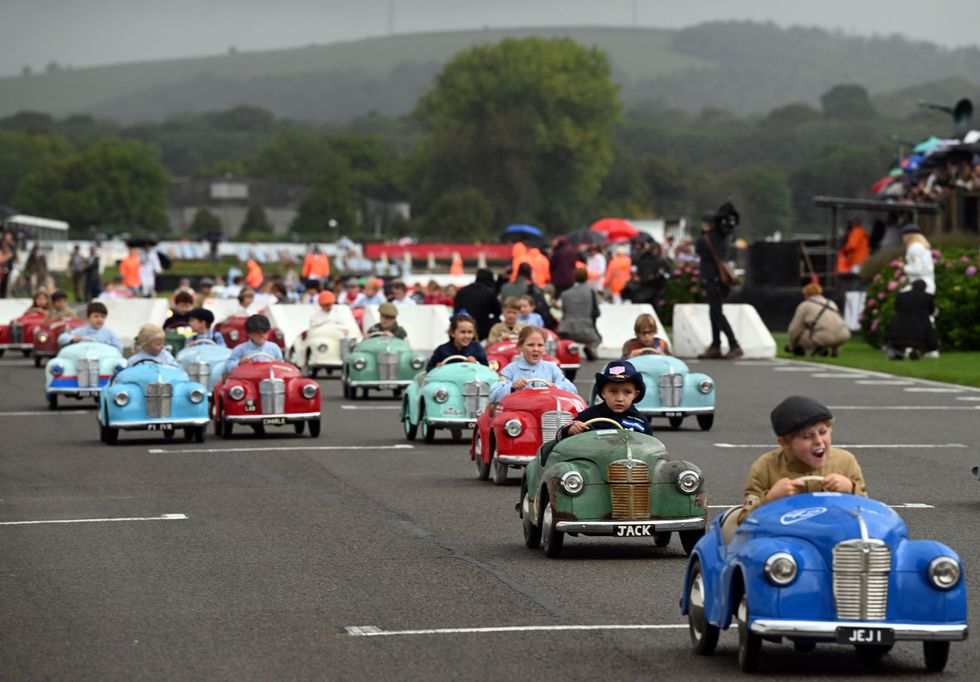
[532, 533]
[675, 422]
[552, 538]
[706, 421]
[499, 473]
[871, 654]
[704, 635]
[482, 468]
[661, 539]
[936, 654]
[299, 428]
[689, 538]
[315, 428]
[749, 643]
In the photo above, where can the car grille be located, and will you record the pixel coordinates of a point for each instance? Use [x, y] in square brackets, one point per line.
[552, 421]
[16, 333]
[671, 390]
[861, 570]
[476, 395]
[346, 346]
[88, 372]
[159, 400]
[273, 394]
[629, 486]
[387, 366]
[551, 347]
[199, 372]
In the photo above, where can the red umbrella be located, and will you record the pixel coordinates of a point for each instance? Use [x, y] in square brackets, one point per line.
[882, 184]
[615, 229]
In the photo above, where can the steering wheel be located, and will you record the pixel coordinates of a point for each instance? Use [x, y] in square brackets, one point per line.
[808, 479]
[455, 358]
[371, 335]
[200, 341]
[144, 360]
[249, 358]
[546, 385]
[606, 420]
[650, 351]
[87, 338]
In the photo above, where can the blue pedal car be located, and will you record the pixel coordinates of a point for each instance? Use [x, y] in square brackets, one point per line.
[153, 397]
[824, 567]
[80, 370]
[204, 362]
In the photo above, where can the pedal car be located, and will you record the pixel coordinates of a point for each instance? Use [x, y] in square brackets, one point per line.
[449, 397]
[149, 396]
[501, 354]
[19, 334]
[609, 481]
[264, 392]
[204, 362]
[673, 391]
[233, 331]
[46, 337]
[322, 347]
[567, 353]
[80, 370]
[380, 363]
[176, 337]
[824, 567]
[520, 423]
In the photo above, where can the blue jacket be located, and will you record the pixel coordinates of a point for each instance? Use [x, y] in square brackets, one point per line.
[164, 358]
[631, 419]
[519, 368]
[449, 348]
[102, 335]
[211, 335]
[248, 348]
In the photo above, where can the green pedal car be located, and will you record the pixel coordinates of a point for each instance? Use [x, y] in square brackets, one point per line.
[380, 363]
[613, 482]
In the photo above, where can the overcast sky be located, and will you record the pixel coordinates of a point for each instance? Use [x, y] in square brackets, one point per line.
[91, 32]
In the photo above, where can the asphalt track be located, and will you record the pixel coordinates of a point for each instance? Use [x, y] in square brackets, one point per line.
[347, 558]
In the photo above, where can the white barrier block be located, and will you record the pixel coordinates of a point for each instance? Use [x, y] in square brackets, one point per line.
[615, 325]
[127, 315]
[426, 325]
[692, 330]
[12, 308]
[222, 308]
[293, 319]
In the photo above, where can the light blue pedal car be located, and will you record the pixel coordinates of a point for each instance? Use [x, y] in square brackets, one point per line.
[80, 370]
[449, 397]
[153, 397]
[204, 362]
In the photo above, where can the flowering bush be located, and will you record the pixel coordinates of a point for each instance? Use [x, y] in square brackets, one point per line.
[682, 287]
[957, 299]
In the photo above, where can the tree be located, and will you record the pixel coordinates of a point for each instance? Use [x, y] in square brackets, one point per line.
[22, 154]
[526, 122]
[847, 102]
[294, 156]
[255, 220]
[464, 212]
[329, 200]
[205, 223]
[113, 183]
[842, 171]
[763, 198]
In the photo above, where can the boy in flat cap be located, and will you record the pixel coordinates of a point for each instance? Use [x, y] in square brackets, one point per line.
[803, 430]
[200, 321]
[388, 326]
[619, 385]
[257, 327]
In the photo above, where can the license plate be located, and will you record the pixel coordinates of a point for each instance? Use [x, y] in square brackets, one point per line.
[673, 414]
[274, 421]
[881, 636]
[159, 427]
[644, 530]
[387, 387]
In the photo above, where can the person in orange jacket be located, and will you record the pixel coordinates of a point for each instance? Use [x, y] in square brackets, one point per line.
[618, 273]
[518, 255]
[856, 249]
[316, 265]
[253, 273]
[540, 267]
[456, 267]
[129, 270]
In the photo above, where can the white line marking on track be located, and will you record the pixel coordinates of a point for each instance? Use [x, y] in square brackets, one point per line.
[932, 389]
[904, 505]
[853, 446]
[49, 413]
[794, 369]
[905, 407]
[370, 407]
[968, 397]
[398, 446]
[883, 382]
[162, 517]
[836, 375]
[373, 631]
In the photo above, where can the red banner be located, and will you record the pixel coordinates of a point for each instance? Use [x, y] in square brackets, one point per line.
[441, 251]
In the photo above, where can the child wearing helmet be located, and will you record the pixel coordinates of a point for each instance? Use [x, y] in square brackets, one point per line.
[619, 385]
[257, 327]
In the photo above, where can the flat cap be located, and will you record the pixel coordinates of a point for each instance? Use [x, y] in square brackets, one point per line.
[388, 310]
[797, 412]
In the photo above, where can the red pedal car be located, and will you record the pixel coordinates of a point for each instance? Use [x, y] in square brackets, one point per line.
[511, 434]
[567, 352]
[46, 337]
[264, 392]
[499, 355]
[233, 331]
[19, 334]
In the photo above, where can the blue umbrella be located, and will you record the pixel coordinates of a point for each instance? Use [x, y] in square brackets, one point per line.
[529, 230]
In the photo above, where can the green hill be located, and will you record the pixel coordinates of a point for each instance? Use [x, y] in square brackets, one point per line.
[743, 67]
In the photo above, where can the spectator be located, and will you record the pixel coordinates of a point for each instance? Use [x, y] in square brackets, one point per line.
[518, 255]
[372, 293]
[912, 333]
[918, 258]
[235, 288]
[253, 273]
[204, 287]
[712, 248]
[93, 272]
[856, 248]
[434, 295]
[540, 267]
[316, 265]
[36, 268]
[479, 301]
[618, 273]
[8, 261]
[652, 271]
[351, 295]
[817, 327]
[580, 309]
[129, 268]
[596, 265]
[149, 269]
[245, 299]
[399, 295]
[76, 271]
[519, 285]
[563, 261]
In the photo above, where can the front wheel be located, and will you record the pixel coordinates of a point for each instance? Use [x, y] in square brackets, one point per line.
[532, 533]
[37, 361]
[675, 422]
[482, 468]
[689, 538]
[226, 429]
[200, 434]
[499, 473]
[936, 654]
[111, 435]
[749, 643]
[428, 432]
[26, 352]
[52, 401]
[704, 635]
[661, 539]
[870, 654]
[570, 374]
[706, 421]
[552, 538]
[169, 435]
[315, 428]
[299, 427]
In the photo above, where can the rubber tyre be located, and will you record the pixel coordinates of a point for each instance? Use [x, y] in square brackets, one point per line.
[457, 435]
[483, 468]
[314, 428]
[675, 422]
[218, 424]
[37, 361]
[704, 635]
[365, 393]
[570, 374]
[804, 647]
[499, 473]
[428, 433]
[749, 643]
[343, 388]
[102, 432]
[936, 654]
[52, 401]
[661, 539]
[226, 429]
[689, 538]
[111, 435]
[532, 533]
[258, 429]
[706, 421]
[871, 654]
[2, 351]
[299, 428]
[169, 435]
[411, 430]
[26, 352]
[200, 434]
[552, 539]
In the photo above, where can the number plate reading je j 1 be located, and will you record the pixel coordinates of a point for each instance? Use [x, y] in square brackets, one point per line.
[274, 421]
[634, 531]
[880, 636]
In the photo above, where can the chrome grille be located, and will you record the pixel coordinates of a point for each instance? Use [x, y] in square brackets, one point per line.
[476, 395]
[551, 347]
[861, 569]
[671, 390]
[200, 372]
[629, 486]
[346, 346]
[552, 421]
[88, 372]
[16, 333]
[387, 366]
[159, 400]
[272, 391]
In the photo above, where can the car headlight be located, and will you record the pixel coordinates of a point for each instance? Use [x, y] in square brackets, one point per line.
[944, 572]
[121, 399]
[309, 391]
[322, 348]
[551, 348]
[57, 370]
[441, 395]
[706, 386]
[42, 338]
[196, 395]
[513, 427]
[574, 349]
[236, 392]
[494, 365]
[359, 364]
[572, 482]
[277, 334]
[234, 335]
[688, 482]
[780, 568]
[417, 363]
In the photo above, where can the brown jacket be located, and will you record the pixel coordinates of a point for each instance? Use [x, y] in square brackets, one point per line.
[778, 464]
[829, 330]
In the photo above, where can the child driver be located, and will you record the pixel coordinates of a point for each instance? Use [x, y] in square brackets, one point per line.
[619, 385]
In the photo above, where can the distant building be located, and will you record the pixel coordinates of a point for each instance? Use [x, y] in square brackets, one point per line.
[228, 198]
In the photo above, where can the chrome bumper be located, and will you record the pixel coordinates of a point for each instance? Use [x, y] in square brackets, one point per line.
[84, 391]
[152, 424]
[569, 365]
[679, 411]
[16, 346]
[296, 417]
[609, 527]
[452, 422]
[515, 460]
[827, 629]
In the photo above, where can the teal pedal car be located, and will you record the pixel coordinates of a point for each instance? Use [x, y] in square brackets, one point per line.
[673, 391]
[452, 397]
[80, 370]
[204, 362]
[152, 397]
[380, 363]
[613, 482]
